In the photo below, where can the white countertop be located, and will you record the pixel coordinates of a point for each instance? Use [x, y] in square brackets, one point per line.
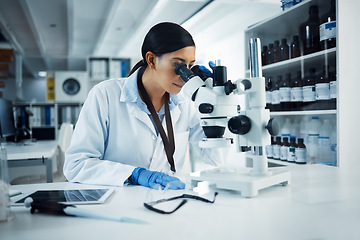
[320, 203]
[31, 150]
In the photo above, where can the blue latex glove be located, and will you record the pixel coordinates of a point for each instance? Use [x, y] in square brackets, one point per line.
[208, 72]
[150, 179]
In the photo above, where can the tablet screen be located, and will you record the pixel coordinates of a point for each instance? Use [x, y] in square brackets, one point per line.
[83, 196]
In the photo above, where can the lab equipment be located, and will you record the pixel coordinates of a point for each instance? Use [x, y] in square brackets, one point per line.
[217, 103]
[151, 179]
[56, 208]
[150, 205]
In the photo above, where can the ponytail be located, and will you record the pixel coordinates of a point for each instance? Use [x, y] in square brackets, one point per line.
[163, 38]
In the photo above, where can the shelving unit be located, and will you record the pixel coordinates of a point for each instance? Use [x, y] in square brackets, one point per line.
[286, 25]
[101, 68]
[47, 117]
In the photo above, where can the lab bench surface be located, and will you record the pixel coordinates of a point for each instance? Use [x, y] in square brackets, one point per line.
[321, 202]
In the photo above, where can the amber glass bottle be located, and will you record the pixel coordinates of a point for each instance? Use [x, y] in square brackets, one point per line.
[296, 93]
[276, 51]
[295, 47]
[328, 27]
[309, 32]
[323, 90]
[269, 56]
[284, 50]
[264, 55]
[309, 91]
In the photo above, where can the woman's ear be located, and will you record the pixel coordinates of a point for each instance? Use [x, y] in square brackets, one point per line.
[150, 59]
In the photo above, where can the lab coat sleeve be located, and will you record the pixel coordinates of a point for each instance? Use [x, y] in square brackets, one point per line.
[84, 161]
[211, 156]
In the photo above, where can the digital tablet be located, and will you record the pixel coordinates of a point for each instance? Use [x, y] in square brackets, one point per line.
[73, 196]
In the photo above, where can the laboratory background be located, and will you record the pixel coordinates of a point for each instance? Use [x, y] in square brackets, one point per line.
[53, 52]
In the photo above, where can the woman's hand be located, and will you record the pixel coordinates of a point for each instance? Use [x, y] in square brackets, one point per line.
[150, 179]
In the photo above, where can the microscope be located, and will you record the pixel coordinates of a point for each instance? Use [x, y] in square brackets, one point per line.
[217, 102]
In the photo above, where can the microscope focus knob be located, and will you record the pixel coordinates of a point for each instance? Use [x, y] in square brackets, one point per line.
[206, 108]
[239, 125]
[273, 127]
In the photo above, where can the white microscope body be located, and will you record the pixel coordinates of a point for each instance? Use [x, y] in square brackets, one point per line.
[217, 102]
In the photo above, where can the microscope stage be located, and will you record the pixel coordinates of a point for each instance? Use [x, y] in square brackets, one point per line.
[241, 179]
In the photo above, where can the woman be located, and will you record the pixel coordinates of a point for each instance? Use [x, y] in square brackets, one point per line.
[119, 137]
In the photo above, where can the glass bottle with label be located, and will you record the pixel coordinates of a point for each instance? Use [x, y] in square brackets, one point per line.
[296, 93]
[291, 150]
[300, 152]
[285, 93]
[295, 47]
[284, 50]
[269, 149]
[269, 56]
[284, 149]
[309, 91]
[333, 90]
[275, 94]
[313, 139]
[322, 87]
[309, 32]
[276, 148]
[328, 27]
[276, 52]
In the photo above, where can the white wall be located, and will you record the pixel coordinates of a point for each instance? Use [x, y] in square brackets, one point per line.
[349, 84]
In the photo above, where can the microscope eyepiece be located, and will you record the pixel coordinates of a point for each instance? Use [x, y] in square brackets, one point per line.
[185, 73]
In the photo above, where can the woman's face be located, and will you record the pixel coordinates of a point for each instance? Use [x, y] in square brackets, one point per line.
[165, 66]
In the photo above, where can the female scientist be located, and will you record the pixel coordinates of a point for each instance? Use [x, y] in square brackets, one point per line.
[136, 130]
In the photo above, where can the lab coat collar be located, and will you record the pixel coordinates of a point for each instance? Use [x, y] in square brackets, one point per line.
[131, 94]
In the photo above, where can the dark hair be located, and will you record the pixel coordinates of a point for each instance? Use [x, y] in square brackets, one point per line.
[165, 37]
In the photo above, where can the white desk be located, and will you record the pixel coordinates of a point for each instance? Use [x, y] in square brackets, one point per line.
[36, 153]
[321, 203]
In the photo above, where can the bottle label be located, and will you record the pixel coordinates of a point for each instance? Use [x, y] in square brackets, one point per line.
[275, 97]
[276, 152]
[309, 93]
[322, 91]
[313, 139]
[283, 153]
[269, 151]
[268, 97]
[300, 155]
[327, 30]
[324, 142]
[296, 94]
[291, 154]
[285, 94]
[333, 89]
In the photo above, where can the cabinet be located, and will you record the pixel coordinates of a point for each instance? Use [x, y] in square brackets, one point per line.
[284, 26]
[101, 68]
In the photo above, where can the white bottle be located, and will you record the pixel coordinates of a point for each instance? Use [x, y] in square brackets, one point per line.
[312, 139]
[324, 149]
[304, 128]
[333, 147]
[295, 129]
[286, 129]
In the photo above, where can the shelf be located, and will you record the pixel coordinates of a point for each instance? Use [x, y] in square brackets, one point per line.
[281, 21]
[295, 64]
[301, 113]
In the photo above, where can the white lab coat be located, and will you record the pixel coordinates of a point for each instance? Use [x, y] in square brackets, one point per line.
[114, 134]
